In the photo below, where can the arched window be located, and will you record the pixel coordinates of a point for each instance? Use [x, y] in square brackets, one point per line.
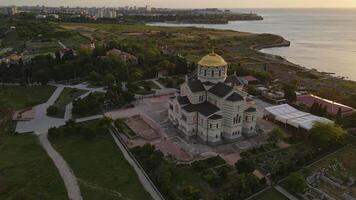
[220, 72]
[212, 73]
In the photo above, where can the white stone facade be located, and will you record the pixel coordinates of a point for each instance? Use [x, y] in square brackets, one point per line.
[210, 109]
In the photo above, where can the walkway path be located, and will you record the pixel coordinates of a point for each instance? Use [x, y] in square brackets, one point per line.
[41, 122]
[142, 176]
[285, 193]
[70, 181]
[158, 83]
[61, 44]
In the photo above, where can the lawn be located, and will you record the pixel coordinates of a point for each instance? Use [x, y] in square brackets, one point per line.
[99, 165]
[270, 194]
[271, 162]
[146, 87]
[26, 172]
[184, 176]
[125, 129]
[339, 166]
[171, 82]
[66, 97]
[343, 156]
[17, 97]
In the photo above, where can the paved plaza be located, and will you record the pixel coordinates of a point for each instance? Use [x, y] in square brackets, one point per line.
[183, 150]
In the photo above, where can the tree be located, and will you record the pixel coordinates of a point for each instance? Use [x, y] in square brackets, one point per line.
[244, 166]
[52, 110]
[296, 183]
[276, 135]
[109, 79]
[323, 135]
[289, 92]
[191, 193]
[241, 187]
[94, 76]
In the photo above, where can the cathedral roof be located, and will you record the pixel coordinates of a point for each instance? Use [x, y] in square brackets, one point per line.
[196, 86]
[220, 89]
[212, 60]
[204, 108]
[251, 109]
[234, 80]
[183, 100]
[215, 117]
[208, 83]
[235, 97]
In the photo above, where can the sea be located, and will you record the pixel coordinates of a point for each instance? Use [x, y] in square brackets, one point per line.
[324, 39]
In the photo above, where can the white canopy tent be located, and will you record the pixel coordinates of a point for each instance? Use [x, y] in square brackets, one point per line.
[286, 114]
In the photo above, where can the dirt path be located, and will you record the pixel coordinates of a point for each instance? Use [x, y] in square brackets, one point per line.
[70, 181]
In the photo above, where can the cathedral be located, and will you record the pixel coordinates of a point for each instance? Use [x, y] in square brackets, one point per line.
[212, 106]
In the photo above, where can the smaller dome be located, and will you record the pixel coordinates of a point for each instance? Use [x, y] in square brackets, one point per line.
[212, 60]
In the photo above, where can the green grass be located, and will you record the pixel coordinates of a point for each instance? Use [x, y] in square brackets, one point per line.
[184, 175]
[17, 97]
[66, 97]
[142, 90]
[269, 162]
[100, 166]
[270, 194]
[344, 156]
[26, 172]
[124, 128]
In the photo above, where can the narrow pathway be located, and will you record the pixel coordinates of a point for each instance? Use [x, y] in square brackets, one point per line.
[61, 44]
[285, 193]
[142, 176]
[70, 181]
[158, 83]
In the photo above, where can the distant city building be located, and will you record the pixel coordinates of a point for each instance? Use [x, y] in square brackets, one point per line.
[41, 16]
[210, 108]
[9, 10]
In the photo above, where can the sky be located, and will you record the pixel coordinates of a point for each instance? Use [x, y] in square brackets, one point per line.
[191, 3]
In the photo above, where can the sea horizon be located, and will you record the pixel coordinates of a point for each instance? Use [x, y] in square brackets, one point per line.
[315, 36]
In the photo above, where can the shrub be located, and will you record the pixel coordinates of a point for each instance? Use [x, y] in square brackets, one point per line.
[52, 110]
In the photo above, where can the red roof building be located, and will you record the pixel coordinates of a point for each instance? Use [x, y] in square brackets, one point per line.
[331, 106]
[250, 79]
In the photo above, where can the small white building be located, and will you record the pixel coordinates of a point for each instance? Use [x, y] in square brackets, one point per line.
[212, 107]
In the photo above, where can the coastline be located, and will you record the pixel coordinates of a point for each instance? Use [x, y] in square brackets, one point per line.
[285, 43]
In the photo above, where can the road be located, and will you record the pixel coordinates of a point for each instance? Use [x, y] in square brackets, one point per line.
[70, 181]
[142, 176]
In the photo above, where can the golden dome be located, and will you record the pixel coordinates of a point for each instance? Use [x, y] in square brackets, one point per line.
[212, 60]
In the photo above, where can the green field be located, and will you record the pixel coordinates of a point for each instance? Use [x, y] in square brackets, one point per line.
[66, 97]
[17, 97]
[26, 172]
[101, 169]
[270, 194]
